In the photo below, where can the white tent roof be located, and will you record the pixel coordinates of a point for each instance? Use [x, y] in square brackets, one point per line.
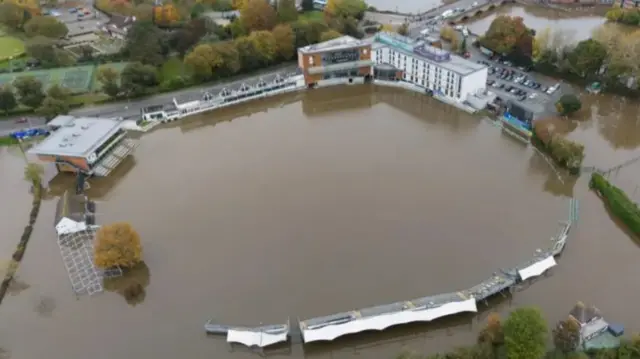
[66, 226]
[383, 321]
[253, 338]
[537, 268]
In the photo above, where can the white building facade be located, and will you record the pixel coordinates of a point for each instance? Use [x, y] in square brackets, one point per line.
[434, 69]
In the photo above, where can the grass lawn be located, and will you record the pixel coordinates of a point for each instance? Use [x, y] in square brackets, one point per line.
[7, 141]
[312, 15]
[172, 68]
[10, 47]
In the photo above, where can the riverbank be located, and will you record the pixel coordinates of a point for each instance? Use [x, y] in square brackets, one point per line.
[618, 202]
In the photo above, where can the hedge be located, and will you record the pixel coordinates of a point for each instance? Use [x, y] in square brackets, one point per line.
[618, 202]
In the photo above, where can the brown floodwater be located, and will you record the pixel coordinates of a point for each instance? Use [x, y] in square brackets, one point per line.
[573, 25]
[317, 203]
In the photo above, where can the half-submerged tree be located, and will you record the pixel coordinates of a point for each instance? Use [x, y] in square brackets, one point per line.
[525, 334]
[117, 245]
[492, 333]
[566, 335]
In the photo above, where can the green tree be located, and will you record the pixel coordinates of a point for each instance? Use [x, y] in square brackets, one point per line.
[108, 78]
[258, 15]
[566, 335]
[213, 60]
[287, 11]
[30, 92]
[117, 245]
[197, 10]
[33, 172]
[587, 57]
[12, 15]
[52, 107]
[237, 29]
[307, 5]
[568, 104]
[249, 57]
[146, 43]
[463, 45]
[265, 45]
[525, 334]
[329, 35]
[345, 8]
[285, 39]
[404, 29]
[58, 92]
[7, 99]
[137, 78]
[614, 14]
[45, 26]
[505, 33]
[44, 49]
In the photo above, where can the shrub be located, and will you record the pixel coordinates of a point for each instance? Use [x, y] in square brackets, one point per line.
[566, 153]
[118, 244]
[617, 201]
[568, 104]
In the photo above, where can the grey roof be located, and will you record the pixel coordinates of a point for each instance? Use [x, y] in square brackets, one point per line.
[455, 63]
[339, 43]
[77, 137]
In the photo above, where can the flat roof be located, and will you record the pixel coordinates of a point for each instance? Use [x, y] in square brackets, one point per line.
[455, 63]
[77, 137]
[339, 43]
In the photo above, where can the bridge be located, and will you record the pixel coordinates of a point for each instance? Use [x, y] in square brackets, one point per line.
[478, 11]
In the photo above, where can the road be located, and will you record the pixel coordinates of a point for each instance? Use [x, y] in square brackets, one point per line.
[132, 108]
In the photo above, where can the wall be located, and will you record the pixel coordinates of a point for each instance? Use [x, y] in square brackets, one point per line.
[78, 161]
[471, 83]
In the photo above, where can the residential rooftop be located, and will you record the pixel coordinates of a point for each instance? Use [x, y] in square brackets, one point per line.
[340, 43]
[76, 136]
[433, 55]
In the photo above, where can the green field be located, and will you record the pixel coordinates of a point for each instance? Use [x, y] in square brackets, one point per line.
[77, 79]
[10, 47]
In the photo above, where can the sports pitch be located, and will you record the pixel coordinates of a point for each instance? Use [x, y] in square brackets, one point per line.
[77, 79]
[10, 46]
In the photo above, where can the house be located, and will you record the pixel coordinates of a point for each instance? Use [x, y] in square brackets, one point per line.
[119, 25]
[591, 322]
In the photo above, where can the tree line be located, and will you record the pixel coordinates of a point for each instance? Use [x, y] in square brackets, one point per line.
[609, 56]
[525, 335]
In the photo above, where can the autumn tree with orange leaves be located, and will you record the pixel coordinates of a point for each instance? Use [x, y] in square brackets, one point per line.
[258, 15]
[117, 245]
[166, 15]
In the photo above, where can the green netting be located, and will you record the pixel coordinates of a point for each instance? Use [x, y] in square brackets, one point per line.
[76, 80]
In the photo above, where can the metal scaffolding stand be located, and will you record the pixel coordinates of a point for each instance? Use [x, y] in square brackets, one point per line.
[76, 250]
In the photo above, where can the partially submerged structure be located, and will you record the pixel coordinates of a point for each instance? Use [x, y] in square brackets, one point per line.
[86, 145]
[262, 336]
[595, 331]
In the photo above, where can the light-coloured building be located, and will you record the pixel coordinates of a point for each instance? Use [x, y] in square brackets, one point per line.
[92, 146]
[436, 70]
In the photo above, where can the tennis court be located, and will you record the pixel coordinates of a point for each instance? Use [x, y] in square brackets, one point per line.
[77, 79]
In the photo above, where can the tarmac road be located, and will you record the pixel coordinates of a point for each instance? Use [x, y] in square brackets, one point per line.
[132, 108]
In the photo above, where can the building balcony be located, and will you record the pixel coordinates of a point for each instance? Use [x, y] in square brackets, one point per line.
[114, 157]
[339, 67]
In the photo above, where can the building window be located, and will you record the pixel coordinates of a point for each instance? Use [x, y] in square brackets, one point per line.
[311, 60]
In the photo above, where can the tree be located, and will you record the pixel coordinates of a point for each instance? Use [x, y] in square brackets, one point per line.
[58, 92]
[329, 35]
[525, 334]
[504, 34]
[44, 49]
[239, 4]
[541, 43]
[117, 245]
[566, 335]
[108, 78]
[284, 37]
[249, 57]
[447, 33]
[265, 45]
[45, 26]
[185, 38]
[12, 15]
[614, 14]
[493, 332]
[52, 107]
[258, 15]
[404, 29]
[7, 99]
[463, 45]
[345, 8]
[146, 43]
[166, 15]
[237, 29]
[568, 104]
[33, 172]
[209, 60]
[29, 90]
[587, 57]
[307, 5]
[136, 79]
[287, 11]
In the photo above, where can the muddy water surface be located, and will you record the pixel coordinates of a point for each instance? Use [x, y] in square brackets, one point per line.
[317, 203]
